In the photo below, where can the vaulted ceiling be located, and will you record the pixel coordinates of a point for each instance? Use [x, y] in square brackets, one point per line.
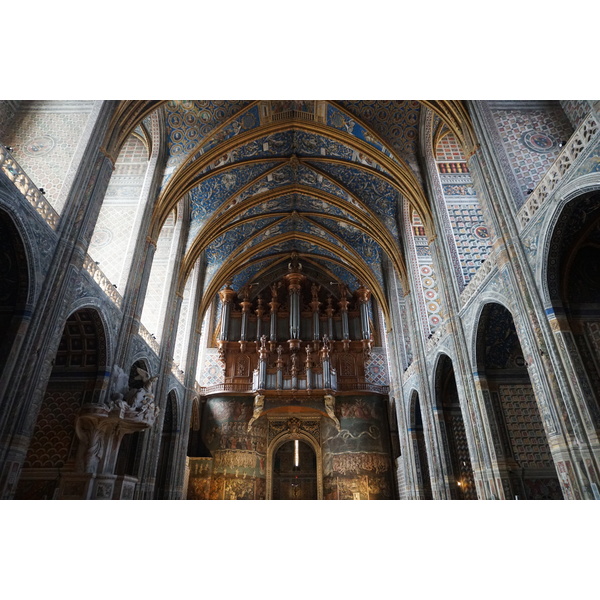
[266, 178]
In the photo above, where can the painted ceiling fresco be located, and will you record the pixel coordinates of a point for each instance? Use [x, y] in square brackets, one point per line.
[265, 178]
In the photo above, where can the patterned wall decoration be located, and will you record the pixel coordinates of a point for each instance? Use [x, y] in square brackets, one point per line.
[225, 245]
[376, 368]
[188, 123]
[248, 274]
[292, 224]
[576, 111]
[340, 273]
[114, 226]
[211, 193]
[183, 325]
[339, 120]
[312, 145]
[356, 459]
[211, 371]
[161, 267]
[301, 246]
[427, 274]
[54, 433]
[377, 194]
[298, 202]
[45, 142]
[470, 233]
[395, 121]
[365, 245]
[531, 140]
[8, 112]
[524, 425]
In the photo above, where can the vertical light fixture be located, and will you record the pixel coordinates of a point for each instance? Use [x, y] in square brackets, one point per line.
[296, 453]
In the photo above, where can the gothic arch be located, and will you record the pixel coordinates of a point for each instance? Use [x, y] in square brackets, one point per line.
[522, 452]
[281, 439]
[77, 378]
[451, 422]
[168, 446]
[417, 434]
[579, 191]
[17, 286]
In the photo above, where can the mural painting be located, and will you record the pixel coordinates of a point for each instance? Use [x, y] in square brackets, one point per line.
[356, 459]
[236, 470]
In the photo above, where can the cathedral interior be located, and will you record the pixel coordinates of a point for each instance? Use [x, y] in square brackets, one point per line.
[300, 299]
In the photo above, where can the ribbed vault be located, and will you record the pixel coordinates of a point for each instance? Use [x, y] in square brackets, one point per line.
[263, 179]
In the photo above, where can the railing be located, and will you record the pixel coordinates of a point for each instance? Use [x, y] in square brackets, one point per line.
[564, 161]
[484, 270]
[11, 168]
[435, 337]
[363, 387]
[147, 337]
[293, 114]
[245, 388]
[410, 371]
[102, 280]
[179, 374]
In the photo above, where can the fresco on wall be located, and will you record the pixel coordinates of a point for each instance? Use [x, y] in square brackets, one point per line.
[237, 466]
[356, 459]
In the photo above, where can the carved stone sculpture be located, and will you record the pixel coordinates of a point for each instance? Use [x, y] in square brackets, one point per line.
[259, 405]
[330, 409]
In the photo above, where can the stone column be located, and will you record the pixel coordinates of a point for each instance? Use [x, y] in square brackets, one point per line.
[563, 419]
[27, 382]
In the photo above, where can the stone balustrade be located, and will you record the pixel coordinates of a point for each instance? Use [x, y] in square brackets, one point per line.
[578, 142]
[11, 168]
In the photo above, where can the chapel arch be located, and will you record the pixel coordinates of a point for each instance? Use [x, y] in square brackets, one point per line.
[167, 450]
[14, 285]
[76, 379]
[454, 437]
[419, 447]
[522, 451]
[573, 285]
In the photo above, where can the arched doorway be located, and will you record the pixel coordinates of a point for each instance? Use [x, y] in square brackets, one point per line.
[522, 452]
[420, 449]
[76, 379]
[295, 472]
[14, 285]
[454, 436]
[167, 448]
[573, 279]
[280, 467]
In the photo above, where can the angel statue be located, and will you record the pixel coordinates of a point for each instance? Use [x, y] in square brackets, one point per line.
[141, 398]
[119, 388]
